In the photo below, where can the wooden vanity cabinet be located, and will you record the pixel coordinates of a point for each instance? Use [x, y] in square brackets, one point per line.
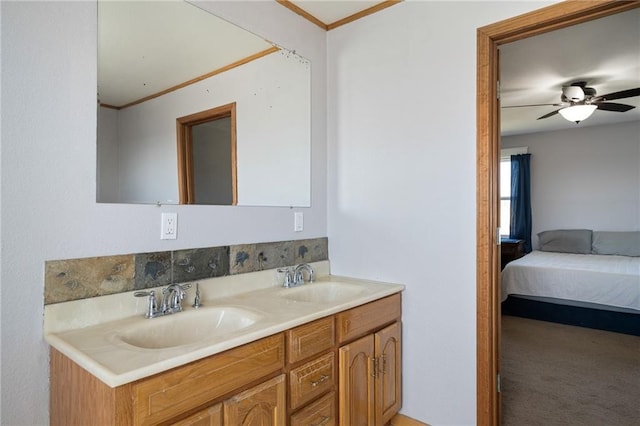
[370, 366]
[344, 369]
[78, 398]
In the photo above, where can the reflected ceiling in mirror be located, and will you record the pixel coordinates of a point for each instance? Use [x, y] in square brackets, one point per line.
[158, 61]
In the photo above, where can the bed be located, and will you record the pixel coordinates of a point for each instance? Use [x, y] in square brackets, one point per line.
[578, 277]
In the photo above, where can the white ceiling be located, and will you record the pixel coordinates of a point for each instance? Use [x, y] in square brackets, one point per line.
[604, 52]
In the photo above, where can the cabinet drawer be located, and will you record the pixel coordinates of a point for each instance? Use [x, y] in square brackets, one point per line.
[312, 379]
[310, 339]
[359, 321]
[167, 395]
[320, 413]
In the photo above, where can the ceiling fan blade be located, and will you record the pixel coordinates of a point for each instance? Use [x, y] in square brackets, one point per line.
[610, 106]
[532, 105]
[629, 93]
[549, 115]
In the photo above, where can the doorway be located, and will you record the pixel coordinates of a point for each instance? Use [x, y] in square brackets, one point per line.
[207, 159]
[488, 160]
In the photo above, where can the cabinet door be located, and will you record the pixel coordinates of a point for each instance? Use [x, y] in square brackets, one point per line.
[262, 405]
[356, 382]
[388, 380]
[211, 416]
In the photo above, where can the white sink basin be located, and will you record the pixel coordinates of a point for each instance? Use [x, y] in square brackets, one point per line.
[187, 327]
[323, 292]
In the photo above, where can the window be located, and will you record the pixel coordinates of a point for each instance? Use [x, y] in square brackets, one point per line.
[505, 187]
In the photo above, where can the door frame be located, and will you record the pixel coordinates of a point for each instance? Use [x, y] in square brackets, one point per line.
[186, 173]
[489, 37]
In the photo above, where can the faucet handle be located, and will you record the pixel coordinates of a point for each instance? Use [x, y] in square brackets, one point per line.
[152, 306]
[288, 277]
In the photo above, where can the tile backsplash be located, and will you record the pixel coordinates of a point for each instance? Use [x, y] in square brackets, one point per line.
[74, 279]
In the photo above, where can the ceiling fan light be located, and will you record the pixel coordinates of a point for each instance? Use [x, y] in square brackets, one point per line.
[577, 113]
[573, 93]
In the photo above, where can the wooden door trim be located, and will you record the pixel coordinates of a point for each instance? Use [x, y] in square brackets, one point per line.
[186, 183]
[543, 20]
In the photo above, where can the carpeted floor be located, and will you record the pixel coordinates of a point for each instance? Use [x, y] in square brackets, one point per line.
[554, 374]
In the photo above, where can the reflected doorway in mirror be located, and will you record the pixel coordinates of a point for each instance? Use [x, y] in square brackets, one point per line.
[207, 161]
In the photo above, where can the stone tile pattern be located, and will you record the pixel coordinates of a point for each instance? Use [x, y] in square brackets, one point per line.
[75, 279]
[82, 278]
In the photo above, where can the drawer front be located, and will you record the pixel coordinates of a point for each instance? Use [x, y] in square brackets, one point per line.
[167, 395]
[310, 339]
[320, 413]
[312, 379]
[509, 250]
[359, 321]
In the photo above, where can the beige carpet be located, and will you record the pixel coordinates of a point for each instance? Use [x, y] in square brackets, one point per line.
[554, 374]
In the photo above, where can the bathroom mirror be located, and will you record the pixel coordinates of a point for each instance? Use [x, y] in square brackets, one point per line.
[162, 61]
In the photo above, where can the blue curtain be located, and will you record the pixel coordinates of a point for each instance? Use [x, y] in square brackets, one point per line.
[520, 226]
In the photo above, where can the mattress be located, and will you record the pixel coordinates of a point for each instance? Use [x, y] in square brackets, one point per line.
[589, 278]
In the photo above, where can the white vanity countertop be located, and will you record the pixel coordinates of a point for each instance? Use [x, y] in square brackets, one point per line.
[87, 331]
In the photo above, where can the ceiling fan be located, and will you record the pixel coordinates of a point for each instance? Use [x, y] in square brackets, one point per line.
[578, 102]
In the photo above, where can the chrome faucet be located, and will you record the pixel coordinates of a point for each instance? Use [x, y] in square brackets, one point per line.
[171, 300]
[298, 276]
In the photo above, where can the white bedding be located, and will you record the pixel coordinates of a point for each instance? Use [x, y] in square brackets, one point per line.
[603, 279]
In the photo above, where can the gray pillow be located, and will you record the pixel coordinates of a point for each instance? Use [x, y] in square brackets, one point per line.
[618, 243]
[566, 241]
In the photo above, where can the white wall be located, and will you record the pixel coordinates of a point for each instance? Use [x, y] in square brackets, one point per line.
[48, 175]
[585, 177]
[401, 145]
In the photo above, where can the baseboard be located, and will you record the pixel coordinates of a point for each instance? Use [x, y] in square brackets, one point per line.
[400, 420]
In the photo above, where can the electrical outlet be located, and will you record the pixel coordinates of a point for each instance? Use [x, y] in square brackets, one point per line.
[298, 221]
[169, 226]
